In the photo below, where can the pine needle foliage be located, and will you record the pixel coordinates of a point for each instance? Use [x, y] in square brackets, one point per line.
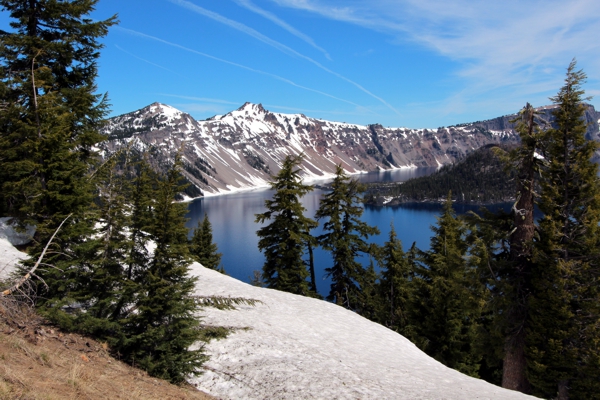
[515, 273]
[345, 238]
[564, 320]
[158, 336]
[284, 240]
[52, 115]
[445, 307]
[202, 247]
[397, 270]
[49, 124]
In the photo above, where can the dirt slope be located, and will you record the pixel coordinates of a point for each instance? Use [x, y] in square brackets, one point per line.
[38, 361]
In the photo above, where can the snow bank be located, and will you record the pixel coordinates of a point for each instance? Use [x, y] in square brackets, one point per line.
[293, 347]
[8, 232]
[9, 256]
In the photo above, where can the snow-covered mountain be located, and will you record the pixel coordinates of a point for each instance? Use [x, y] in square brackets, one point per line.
[244, 147]
[293, 347]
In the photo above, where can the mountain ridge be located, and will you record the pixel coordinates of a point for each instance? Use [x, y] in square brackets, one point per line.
[245, 147]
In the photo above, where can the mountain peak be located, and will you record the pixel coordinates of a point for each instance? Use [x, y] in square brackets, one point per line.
[252, 108]
[160, 108]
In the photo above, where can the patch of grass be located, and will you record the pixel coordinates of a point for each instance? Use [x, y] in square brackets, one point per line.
[45, 358]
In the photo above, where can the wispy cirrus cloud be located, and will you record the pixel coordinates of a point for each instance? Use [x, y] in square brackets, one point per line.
[522, 45]
[278, 21]
[257, 71]
[220, 106]
[275, 44]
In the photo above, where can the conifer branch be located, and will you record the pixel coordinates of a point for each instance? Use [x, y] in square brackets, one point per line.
[224, 303]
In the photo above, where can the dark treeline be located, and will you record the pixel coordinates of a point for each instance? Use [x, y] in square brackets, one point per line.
[497, 296]
[480, 178]
[118, 255]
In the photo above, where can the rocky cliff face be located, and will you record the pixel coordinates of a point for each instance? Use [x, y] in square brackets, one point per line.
[243, 148]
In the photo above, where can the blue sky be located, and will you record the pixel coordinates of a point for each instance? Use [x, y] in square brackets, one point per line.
[412, 63]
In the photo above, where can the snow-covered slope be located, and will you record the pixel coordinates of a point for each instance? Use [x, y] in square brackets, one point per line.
[9, 255]
[294, 347]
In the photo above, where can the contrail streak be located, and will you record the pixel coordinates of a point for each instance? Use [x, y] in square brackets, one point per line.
[272, 17]
[273, 43]
[143, 35]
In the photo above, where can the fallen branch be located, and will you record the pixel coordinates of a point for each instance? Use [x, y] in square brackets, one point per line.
[37, 264]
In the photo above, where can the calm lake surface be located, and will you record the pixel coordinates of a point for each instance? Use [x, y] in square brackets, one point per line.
[234, 230]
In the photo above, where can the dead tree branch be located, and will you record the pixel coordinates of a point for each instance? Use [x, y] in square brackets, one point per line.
[31, 272]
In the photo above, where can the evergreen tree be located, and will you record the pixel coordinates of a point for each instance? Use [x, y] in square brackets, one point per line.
[158, 336]
[445, 307]
[49, 125]
[344, 238]
[142, 205]
[563, 332]
[489, 256]
[202, 247]
[96, 262]
[395, 283]
[515, 277]
[285, 239]
[370, 303]
[101, 272]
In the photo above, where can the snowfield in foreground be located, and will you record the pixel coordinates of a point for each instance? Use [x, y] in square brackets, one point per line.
[294, 347]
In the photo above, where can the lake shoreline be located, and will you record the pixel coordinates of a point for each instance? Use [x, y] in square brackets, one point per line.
[380, 202]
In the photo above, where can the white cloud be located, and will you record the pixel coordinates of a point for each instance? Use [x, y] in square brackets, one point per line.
[272, 17]
[524, 45]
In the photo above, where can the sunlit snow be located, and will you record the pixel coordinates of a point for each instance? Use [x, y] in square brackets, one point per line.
[294, 347]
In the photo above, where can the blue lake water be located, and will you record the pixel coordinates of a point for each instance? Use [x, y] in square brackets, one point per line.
[234, 230]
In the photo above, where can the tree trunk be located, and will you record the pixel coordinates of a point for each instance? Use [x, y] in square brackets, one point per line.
[563, 390]
[514, 366]
[311, 267]
[513, 369]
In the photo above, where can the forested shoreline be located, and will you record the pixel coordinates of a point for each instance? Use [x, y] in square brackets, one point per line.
[480, 178]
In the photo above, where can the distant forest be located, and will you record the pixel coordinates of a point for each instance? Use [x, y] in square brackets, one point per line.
[479, 178]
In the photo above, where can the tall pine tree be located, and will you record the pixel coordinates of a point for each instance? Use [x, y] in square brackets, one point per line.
[284, 240]
[514, 279]
[563, 332]
[344, 237]
[158, 335]
[445, 305]
[395, 283]
[49, 124]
